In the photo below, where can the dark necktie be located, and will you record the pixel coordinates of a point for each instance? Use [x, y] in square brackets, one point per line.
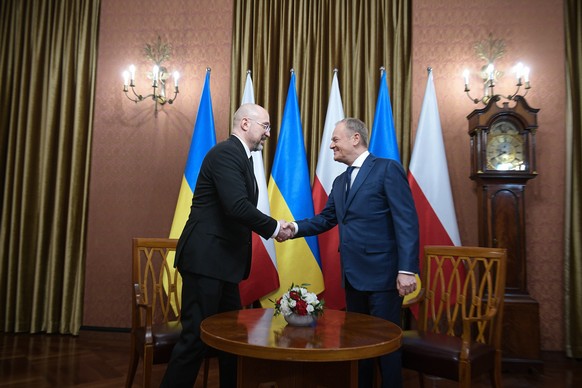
[255, 186]
[349, 180]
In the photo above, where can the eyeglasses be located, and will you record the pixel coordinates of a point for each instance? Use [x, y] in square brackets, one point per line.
[266, 127]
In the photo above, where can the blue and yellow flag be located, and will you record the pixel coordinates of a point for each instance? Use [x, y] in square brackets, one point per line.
[290, 198]
[383, 138]
[203, 139]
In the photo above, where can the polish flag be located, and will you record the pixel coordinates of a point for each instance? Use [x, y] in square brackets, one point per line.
[263, 277]
[428, 176]
[327, 170]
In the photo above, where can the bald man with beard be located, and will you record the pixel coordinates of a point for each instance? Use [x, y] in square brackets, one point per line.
[214, 250]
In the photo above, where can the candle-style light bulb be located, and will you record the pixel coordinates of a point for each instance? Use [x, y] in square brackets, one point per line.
[490, 71]
[176, 78]
[518, 72]
[125, 79]
[131, 74]
[156, 72]
[526, 77]
[466, 78]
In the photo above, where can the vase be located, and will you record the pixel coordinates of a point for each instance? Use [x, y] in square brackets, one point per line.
[299, 320]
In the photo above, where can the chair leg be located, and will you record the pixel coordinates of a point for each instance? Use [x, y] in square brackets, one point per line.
[496, 372]
[496, 377]
[206, 370]
[148, 360]
[421, 379]
[133, 361]
[464, 375]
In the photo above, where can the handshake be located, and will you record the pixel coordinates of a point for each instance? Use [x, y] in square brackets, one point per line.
[286, 231]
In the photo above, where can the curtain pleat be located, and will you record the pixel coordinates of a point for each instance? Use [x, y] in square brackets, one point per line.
[313, 38]
[573, 229]
[48, 66]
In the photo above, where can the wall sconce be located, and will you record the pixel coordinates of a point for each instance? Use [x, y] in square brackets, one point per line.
[159, 75]
[490, 50]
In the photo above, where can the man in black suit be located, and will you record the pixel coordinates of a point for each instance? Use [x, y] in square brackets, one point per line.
[214, 251]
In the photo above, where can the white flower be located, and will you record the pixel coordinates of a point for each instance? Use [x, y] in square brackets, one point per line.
[299, 301]
[311, 298]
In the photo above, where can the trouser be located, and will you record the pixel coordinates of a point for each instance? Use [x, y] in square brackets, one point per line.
[385, 305]
[201, 298]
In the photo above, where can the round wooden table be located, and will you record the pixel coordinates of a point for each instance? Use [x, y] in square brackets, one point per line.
[274, 354]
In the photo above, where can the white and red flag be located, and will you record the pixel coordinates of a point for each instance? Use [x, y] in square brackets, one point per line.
[326, 171]
[428, 176]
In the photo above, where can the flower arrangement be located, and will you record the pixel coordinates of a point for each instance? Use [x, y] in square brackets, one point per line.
[299, 301]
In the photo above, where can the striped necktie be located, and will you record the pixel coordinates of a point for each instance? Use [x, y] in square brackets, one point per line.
[349, 180]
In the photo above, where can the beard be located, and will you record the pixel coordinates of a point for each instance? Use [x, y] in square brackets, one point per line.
[258, 146]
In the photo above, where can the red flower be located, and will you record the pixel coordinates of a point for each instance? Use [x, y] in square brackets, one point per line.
[294, 295]
[301, 307]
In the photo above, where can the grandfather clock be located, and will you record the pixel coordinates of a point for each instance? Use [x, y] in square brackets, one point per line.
[502, 162]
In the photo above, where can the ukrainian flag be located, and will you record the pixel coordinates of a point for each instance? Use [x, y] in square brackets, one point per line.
[290, 198]
[383, 143]
[203, 139]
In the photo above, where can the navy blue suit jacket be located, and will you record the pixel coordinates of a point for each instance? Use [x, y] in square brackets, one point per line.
[378, 225]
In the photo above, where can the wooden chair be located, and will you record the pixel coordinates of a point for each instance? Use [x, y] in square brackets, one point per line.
[155, 324]
[458, 340]
[155, 312]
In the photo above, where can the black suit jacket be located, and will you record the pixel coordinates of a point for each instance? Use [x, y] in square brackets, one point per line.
[216, 240]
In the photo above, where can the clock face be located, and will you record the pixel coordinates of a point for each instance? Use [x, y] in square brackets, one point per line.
[505, 148]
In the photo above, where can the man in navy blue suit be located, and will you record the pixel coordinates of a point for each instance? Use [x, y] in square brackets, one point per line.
[378, 227]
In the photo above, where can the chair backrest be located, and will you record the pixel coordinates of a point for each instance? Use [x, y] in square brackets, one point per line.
[155, 281]
[463, 292]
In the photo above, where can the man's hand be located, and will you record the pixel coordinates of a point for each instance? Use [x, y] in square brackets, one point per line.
[405, 283]
[286, 231]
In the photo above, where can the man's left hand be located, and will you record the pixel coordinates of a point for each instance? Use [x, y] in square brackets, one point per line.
[405, 283]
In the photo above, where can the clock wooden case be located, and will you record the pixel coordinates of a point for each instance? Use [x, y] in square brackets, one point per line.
[503, 160]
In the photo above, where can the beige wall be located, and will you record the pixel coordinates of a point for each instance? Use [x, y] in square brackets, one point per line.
[137, 161]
